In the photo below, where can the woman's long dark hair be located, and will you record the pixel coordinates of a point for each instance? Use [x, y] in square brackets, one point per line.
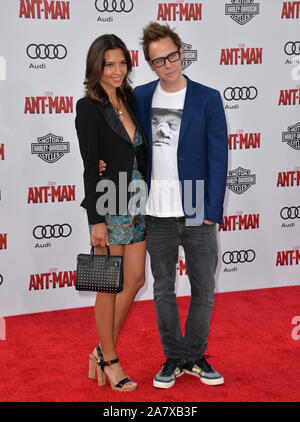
[95, 64]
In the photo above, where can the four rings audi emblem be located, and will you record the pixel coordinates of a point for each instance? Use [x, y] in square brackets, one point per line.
[292, 47]
[233, 257]
[290, 212]
[240, 93]
[114, 5]
[1, 279]
[56, 231]
[46, 51]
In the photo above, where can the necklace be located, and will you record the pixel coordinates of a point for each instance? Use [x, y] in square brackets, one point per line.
[118, 109]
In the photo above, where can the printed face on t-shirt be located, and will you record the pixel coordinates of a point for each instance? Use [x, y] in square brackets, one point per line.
[165, 126]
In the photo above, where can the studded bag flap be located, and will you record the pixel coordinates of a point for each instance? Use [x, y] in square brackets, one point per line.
[99, 273]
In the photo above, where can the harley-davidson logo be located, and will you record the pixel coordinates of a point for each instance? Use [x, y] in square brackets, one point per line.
[292, 136]
[50, 148]
[242, 11]
[188, 55]
[240, 180]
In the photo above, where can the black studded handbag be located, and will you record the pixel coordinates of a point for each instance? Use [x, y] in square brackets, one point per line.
[99, 273]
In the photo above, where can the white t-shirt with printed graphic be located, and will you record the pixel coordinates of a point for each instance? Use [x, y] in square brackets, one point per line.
[164, 197]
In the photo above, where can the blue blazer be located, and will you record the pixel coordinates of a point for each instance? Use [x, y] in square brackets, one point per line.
[202, 152]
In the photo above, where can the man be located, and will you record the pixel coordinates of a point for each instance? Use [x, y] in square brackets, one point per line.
[193, 162]
[186, 176]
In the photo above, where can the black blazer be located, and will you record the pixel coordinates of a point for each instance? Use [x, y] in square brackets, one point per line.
[102, 135]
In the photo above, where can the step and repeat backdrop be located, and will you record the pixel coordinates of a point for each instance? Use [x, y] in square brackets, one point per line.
[247, 49]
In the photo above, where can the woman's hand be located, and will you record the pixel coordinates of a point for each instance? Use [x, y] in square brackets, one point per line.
[102, 167]
[99, 236]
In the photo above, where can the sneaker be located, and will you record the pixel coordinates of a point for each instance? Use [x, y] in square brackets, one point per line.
[202, 369]
[165, 378]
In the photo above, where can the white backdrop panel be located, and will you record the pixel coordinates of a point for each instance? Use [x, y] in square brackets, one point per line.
[256, 47]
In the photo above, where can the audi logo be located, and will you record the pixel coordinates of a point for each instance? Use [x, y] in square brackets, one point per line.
[290, 212]
[238, 256]
[114, 5]
[56, 231]
[1, 279]
[292, 47]
[240, 93]
[43, 51]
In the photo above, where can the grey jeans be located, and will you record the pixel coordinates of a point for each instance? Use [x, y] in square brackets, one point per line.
[164, 235]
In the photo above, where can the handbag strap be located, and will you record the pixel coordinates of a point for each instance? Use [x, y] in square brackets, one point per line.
[107, 252]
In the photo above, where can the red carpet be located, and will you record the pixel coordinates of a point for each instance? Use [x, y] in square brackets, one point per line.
[45, 355]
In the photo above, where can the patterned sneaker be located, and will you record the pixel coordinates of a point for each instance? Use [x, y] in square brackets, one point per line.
[165, 378]
[201, 368]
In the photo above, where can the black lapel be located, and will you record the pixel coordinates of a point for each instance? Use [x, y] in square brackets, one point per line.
[114, 122]
[137, 124]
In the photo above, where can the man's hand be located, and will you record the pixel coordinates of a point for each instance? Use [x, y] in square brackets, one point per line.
[208, 222]
[102, 167]
[99, 235]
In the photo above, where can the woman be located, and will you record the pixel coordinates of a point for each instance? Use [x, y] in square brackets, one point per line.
[107, 129]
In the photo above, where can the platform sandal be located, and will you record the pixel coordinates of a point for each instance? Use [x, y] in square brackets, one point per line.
[93, 363]
[125, 384]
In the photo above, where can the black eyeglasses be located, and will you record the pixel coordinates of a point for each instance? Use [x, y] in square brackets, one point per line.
[161, 61]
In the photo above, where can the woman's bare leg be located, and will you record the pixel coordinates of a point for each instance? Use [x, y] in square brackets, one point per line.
[105, 316]
[134, 278]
